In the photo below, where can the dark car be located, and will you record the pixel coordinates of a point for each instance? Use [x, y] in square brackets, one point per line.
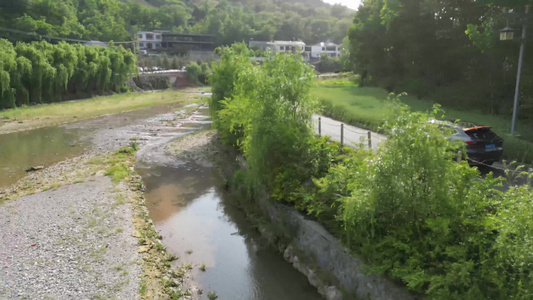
[483, 146]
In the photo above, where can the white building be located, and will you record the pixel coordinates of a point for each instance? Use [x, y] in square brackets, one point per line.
[150, 40]
[332, 49]
[278, 46]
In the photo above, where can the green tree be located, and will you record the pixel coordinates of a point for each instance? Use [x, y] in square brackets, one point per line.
[443, 49]
[41, 72]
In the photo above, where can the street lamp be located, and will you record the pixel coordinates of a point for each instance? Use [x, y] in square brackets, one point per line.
[507, 34]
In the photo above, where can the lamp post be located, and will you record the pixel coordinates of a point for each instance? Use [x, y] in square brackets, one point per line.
[508, 34]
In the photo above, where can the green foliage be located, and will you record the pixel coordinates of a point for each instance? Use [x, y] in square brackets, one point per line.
[431, 223]
[266, 112]
[408, 209]
[231, 21]
[233, 60]
[328, 64]
[447, 51]
[41, 72]
[117, 172]
[197, 74]
[193, 70]
[118, 168]
[212, 296]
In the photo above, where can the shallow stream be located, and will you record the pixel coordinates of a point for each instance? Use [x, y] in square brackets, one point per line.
[200, 223]
[40, 147]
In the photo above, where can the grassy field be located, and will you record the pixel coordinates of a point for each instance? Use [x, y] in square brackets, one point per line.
[31, 117]
[367, 107]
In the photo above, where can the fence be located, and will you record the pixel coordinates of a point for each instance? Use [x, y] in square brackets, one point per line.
[347, 135]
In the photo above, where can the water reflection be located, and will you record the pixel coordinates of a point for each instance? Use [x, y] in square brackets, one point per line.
[45, 146]
[191, 212]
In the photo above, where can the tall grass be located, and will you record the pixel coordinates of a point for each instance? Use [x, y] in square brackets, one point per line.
[367, 107]
[63, 112]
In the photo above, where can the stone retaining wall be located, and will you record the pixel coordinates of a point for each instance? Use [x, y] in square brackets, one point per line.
[317, 254]
[324, 253]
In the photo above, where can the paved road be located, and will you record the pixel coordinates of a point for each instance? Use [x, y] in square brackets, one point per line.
[358, 138]
[353, 136]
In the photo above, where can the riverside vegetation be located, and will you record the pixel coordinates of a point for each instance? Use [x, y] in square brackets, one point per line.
[40, 72]
[408, 209]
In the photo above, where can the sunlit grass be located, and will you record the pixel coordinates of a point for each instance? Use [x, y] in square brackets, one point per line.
[82, 109]
[367, 107]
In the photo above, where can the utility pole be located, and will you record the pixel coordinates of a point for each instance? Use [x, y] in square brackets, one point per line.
[519, 71]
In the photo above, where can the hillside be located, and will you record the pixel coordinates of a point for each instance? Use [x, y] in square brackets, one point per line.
[231, 21]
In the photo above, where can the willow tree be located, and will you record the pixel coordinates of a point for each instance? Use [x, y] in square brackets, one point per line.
[42, 72]
[7, 65]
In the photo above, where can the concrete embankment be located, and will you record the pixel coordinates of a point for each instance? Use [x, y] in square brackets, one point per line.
[315, 252]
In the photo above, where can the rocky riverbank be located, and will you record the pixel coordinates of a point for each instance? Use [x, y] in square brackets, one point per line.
[69, 231]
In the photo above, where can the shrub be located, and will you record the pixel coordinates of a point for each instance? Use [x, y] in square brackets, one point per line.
[193, 71]
[197, 74]
[225, 75]
[328, 64]
[273, 108]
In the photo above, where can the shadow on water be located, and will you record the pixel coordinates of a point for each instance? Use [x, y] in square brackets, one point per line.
[45, 146]
[192, 212]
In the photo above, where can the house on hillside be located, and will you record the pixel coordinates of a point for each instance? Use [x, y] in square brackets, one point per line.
[332, 49]
[198, 46]
[150, 40]
[278, 46]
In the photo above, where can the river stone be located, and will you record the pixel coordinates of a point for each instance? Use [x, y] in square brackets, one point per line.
[331, 293]
[313, 278]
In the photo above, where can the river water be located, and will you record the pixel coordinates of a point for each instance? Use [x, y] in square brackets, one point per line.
[200, 224]
[41, 147]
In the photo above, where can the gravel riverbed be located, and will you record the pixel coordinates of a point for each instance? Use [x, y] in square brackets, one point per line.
[68, 232]
[75, 242]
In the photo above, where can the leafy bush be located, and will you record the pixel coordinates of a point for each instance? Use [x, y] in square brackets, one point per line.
[411, 205]
[226, 73]
[328, 64]
[273, 107]
[193, 71]
[197, 74]
[266, 113]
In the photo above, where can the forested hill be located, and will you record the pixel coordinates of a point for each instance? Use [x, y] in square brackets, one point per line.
[240, 20]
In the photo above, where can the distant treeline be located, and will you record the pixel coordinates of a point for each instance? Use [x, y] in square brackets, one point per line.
[40, 72]
[309, 20]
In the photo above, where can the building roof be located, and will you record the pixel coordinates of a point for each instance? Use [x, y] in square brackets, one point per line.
[265, 43]
[326, 44]
[189, 34]
[153, 31]
[296, 43]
